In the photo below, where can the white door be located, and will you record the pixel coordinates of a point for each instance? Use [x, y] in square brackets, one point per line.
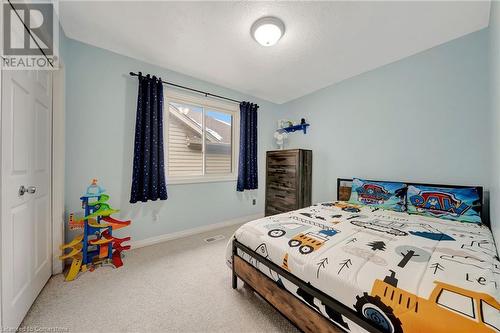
[26, 161]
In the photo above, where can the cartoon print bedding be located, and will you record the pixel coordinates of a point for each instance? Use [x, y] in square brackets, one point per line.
[407, 273]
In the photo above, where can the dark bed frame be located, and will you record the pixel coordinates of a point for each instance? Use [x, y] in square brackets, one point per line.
[294, 309]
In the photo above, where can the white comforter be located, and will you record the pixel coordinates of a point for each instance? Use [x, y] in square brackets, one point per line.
[409, 273]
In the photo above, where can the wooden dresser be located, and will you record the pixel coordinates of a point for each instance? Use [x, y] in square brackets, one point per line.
[288, 180]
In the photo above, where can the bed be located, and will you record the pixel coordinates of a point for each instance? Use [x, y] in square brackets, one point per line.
[336, 267]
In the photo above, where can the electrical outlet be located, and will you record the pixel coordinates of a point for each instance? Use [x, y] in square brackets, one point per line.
[156, 217]
[254, 202]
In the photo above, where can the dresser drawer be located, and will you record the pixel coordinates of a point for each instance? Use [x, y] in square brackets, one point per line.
[279, 160]
[283, 184]
[281, 194]
[285, 180]
[271, 210]
[287, 170]
[279, 209]
[282, 202]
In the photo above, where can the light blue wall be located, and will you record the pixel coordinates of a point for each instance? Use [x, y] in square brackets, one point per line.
[100, 120]
[424, 118]
[494, 31]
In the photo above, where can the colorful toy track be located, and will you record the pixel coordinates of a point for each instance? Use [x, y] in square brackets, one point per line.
[78, 239]
[76, 264]
[116, 224]
[76, 249]
[96, 245]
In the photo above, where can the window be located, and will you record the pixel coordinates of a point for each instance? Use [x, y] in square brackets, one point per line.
[457, 302]
[490, 315]
[201, 139]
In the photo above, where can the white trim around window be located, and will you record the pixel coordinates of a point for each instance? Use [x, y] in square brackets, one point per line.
[175, 95]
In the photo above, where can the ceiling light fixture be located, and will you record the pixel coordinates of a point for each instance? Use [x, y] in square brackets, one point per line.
[267, 31]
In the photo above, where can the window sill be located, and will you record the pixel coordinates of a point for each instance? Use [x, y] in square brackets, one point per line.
[200, 179]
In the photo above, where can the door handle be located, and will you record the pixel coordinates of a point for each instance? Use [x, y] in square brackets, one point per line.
[23, 189]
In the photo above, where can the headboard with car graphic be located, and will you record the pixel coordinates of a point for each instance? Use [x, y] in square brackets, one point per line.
[344, 186]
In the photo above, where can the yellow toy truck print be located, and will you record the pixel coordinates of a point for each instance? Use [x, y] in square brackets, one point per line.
[307, 242]
[347, 207]
[311, 241]
[448, 309]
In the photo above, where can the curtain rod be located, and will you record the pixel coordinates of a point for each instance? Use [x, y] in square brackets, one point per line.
[192, 89]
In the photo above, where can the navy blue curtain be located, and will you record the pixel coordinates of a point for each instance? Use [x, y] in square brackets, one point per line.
[148, 176]
[247, 167]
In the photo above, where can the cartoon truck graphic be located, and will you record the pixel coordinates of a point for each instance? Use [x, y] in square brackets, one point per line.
[377, 225]
[448, 309]
[311, 241]
[288, 230]
[347, 207]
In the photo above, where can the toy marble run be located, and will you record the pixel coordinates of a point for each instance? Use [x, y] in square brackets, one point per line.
[96, 245]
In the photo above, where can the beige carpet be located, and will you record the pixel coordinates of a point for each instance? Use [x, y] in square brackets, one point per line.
[178, 286]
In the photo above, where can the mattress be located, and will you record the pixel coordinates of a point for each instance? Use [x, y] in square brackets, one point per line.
[406, 273]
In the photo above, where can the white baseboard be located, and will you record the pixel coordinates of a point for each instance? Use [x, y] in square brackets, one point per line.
[193, 231]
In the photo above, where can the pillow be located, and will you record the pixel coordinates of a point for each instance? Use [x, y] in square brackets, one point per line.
[385, 195]
[458, 204]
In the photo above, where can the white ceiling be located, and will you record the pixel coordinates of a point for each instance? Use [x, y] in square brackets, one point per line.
[324, 42]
